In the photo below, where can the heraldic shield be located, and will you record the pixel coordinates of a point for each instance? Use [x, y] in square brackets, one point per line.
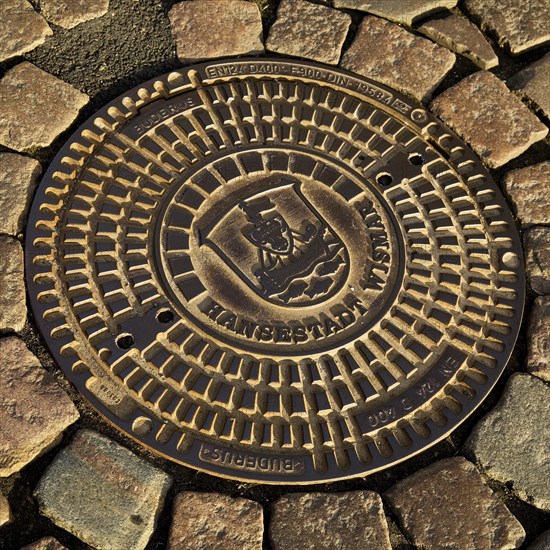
[280, 246]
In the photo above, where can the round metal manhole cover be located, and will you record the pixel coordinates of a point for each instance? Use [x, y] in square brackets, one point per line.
[275, 271]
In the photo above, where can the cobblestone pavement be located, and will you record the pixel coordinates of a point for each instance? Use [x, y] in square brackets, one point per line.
[69, 480]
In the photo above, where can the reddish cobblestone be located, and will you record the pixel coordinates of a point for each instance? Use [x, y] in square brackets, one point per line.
[47, 543]
[538, 338]
[35, 107]
[34, 410]
[308, 30]
[537, 258]
[320, 521]
[490, 118]
[392, 55]
[206, 29]
[6, 515]
[216, 522]
[529, 191]
[447, 505]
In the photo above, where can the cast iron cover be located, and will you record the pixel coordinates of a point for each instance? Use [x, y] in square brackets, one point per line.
[275, 271]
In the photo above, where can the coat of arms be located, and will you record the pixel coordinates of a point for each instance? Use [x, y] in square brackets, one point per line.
[278, 243]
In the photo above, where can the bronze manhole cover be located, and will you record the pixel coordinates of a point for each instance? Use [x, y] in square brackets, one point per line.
[275, 271]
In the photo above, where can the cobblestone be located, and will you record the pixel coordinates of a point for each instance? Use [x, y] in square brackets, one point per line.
[392, 55]
[517, 25]
[13, 310]
[447, 505]
[308, 30]
[34, 410]
[538, 339]
[102, 493]
[532, 83]
[46, 543]
[321, 521]
[542, 542]
[529, 191]
[537, 258]
[35, 107]
[6, 515]
[70, 13]
[18, 175]
[511, 442]
[490, 118]
[460, 35]
[402, 11]
[22, 29]
[206, 29]
[216, 522]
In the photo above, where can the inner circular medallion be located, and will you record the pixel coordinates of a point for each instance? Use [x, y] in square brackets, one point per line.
[291, 251]
[274, 271]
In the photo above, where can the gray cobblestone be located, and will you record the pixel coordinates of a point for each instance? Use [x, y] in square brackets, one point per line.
[511, 442]
[70, 13]
[103, 493]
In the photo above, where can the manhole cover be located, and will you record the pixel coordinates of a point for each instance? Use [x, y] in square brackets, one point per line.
[275, 271]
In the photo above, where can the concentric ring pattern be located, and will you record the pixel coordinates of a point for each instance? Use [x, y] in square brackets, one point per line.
[275, 271]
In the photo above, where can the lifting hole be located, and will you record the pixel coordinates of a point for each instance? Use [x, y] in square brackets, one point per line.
[165, 316]
[384, 179]
[416, 160]
[125, 341]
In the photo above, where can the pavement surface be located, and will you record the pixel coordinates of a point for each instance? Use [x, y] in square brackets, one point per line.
[69, 479]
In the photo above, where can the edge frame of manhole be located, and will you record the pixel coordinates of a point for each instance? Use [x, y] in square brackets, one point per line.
[172, 84]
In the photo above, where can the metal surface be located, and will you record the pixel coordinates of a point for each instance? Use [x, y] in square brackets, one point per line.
[275, 271]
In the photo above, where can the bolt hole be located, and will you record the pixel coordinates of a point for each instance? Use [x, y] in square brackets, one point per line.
[136, 519]
[165, 316]
[416, 160]
[125, 341]
[384, 179]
